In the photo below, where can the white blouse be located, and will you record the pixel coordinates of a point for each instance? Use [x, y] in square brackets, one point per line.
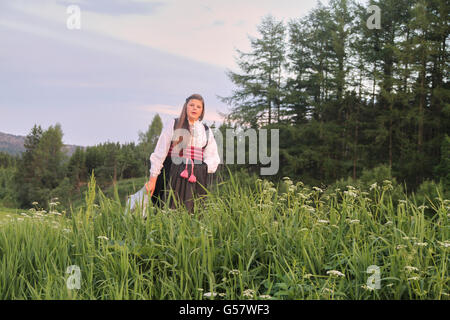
[210, 154]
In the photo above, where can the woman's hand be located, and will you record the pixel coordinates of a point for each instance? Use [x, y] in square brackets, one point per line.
[150, 185]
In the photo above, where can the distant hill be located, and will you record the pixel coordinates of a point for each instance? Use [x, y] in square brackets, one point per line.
[13, 144]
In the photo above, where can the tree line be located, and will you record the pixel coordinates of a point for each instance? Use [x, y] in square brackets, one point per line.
[44, 172]
[348, 98]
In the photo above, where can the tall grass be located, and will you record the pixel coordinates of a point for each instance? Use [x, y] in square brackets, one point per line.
[244, 242]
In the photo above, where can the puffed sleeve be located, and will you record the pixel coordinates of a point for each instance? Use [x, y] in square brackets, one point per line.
[211, 154]
[162, 148]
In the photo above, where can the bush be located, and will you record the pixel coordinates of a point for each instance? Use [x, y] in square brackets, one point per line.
[428, 194]
[378, 176]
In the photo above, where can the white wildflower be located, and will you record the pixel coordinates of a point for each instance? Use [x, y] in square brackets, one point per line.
[422, 207]
[400, 246]
[323, 221]
[410, 268]
[317, 189]
[35, 203]
[351, 193]
[373, 186]
[249, 293]
[445, 244]
[307, 276]
[302, 196]
[102, 238]
[335, 273]
[352, 221]
[210, 294]
[365, 287]
[222, 294]
[414, 278]
[234, 272]
[265, 296]
[421, 244]
[309, 208]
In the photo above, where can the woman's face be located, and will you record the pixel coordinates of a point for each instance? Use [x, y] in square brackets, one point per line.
[194, 109]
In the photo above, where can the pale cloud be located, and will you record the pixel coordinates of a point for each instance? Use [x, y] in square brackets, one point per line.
[204, 31]
[116, 7]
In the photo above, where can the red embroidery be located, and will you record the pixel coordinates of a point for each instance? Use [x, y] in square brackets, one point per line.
[192, 152]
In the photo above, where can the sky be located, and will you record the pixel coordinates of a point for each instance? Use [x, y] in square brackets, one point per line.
[128, 61]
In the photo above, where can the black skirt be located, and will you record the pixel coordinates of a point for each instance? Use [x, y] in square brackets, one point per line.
[170, 186]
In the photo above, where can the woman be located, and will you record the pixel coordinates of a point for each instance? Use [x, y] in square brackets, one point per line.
[184, 158]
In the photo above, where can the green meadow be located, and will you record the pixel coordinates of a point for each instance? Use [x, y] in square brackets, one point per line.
[250, 239]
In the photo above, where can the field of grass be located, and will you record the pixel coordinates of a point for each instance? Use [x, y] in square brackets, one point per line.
[7, 213]
[249, 241]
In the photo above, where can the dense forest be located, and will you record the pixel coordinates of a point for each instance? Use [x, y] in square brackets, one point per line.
[346, 98]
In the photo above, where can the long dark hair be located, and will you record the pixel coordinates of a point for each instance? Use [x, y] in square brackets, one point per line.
[182, 120]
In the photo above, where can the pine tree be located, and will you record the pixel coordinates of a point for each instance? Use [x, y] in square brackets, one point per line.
[258, 98]
[149, 139]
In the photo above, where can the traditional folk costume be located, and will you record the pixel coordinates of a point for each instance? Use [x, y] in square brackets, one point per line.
[188, 170]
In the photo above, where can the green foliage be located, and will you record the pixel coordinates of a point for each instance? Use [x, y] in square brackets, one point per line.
[263, 242]
[429, 193]
[149, 139]
[41, 167]
[443, 169]
[7, 160]
[7, 198]
[259, 95]
[125, 188]
[378, 178]
[347, 97]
